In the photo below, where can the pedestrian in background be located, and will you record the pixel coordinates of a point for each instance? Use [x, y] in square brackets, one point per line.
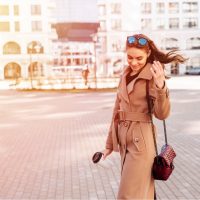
[130, 132]
[85, 73]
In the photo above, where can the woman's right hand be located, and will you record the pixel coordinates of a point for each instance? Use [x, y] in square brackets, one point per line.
[106, 152]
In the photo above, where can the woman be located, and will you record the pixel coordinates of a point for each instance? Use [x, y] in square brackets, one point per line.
[130, 131]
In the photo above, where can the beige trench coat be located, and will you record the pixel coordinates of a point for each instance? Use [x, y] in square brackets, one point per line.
[130, 133]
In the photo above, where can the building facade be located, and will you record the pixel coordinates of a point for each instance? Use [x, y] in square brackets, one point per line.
[26, 39]
[171, 24]
[74, 49]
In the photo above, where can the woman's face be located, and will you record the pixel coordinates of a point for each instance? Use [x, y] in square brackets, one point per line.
[136, 58]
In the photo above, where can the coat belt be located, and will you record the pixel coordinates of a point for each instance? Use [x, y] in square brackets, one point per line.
[126, 116]
[133, 116]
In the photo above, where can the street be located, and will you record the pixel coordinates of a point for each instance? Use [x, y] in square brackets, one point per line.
[48, 139]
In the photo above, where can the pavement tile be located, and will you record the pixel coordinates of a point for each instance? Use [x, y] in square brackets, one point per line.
[47, 141]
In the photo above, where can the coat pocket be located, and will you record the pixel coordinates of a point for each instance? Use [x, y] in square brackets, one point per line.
[138, 138]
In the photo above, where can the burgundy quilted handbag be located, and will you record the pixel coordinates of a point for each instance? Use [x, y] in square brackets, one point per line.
[163, 162]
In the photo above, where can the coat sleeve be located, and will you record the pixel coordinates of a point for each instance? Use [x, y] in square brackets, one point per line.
[109, 141]
[162, 102]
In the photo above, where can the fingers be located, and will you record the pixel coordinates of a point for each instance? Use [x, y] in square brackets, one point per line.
[153, 72]
[157, 64]
[104, 156]
[158, 74]
[106, 152]
[157, 69]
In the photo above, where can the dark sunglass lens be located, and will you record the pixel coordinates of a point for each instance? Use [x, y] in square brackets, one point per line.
[142, 41]
[131, 39]
[96, 157]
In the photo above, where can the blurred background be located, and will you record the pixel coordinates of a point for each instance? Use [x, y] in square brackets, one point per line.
[81, 44]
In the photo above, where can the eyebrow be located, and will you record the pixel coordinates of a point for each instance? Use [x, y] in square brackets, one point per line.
[132, 57]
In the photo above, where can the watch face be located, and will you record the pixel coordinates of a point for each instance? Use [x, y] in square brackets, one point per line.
[97, 157]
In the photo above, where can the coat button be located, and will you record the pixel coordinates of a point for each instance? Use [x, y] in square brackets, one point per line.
[136, 139]
[125, 124]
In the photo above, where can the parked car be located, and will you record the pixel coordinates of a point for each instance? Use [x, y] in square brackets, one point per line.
[193, 71]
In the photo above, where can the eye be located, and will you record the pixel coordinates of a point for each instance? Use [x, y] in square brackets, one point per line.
[140, 58]
[129, 57]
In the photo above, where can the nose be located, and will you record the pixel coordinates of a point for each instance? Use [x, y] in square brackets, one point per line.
[133, 62]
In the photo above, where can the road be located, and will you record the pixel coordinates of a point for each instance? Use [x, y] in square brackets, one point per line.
[48, 139]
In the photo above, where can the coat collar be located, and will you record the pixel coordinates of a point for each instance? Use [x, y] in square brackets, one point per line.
[126, 90]
[144, 74]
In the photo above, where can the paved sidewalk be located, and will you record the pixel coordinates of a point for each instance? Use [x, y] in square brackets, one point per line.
[47, 141]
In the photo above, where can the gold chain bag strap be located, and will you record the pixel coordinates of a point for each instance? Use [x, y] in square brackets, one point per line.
[163, 162]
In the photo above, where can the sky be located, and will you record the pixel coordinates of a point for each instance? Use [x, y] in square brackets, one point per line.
[76, 10]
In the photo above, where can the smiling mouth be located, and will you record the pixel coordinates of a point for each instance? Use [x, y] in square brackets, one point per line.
[135, 66]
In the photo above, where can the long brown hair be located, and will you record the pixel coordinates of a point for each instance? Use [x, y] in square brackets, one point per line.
[156, 54]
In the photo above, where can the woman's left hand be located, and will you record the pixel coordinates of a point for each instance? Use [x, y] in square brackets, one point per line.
[158, 74]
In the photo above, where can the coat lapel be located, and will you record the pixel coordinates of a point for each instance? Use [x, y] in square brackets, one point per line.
[122, 86]
[144, 74]
[125, 90]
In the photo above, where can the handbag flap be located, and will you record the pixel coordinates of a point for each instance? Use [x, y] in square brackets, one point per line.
[168, 153]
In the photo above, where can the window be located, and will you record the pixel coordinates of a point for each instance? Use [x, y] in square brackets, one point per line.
[12, 71]
[17, 27]
[36, 10]
[174, 23]
[190, 7]
[115, 8]
[102, 10]
[193, 43]
[146, 8]
[11, 48]
[173, 8]
[16, 10]
[190, 22]
[35, 69]
[160, 7]
[116, 45]
[4, 26]
[170, 43]
[4, 10]
[35, 47]
[116, 24]
[160, 23]
[146, 24]
[193, 62]
[36, 26]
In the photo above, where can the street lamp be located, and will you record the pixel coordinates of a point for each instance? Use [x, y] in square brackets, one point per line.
[30, 51]
[33, 48]
[37, 48]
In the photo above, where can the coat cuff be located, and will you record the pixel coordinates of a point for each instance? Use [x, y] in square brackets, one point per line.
[109, 146]
[163, 92]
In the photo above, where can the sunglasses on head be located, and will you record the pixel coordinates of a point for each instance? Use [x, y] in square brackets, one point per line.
[140, 41]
